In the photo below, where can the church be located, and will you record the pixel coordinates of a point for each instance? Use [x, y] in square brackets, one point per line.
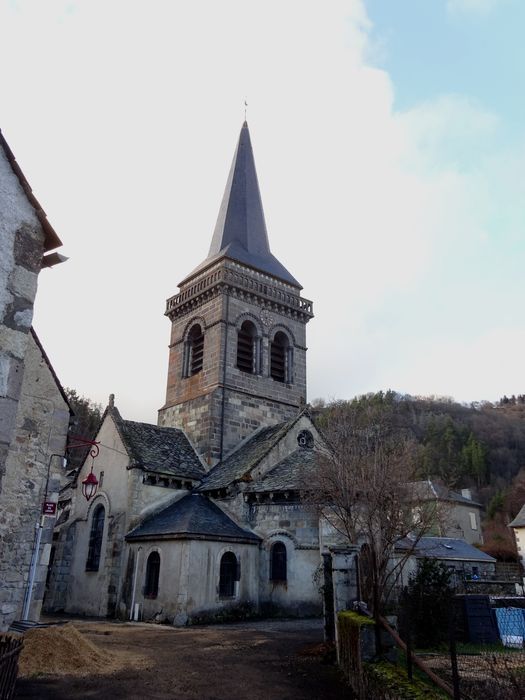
[201, 516]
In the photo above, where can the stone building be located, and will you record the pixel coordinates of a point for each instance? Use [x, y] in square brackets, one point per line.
[458, 515]
[203, 512]
[518, 527]
[34, 413]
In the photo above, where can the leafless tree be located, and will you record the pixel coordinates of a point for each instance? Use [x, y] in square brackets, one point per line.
[362, 488]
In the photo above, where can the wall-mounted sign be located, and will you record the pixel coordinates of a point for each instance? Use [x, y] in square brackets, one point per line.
[49, 508]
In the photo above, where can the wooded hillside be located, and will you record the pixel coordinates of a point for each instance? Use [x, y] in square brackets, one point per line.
[481, 445]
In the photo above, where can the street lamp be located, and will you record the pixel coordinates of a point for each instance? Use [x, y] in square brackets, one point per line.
[89, 485]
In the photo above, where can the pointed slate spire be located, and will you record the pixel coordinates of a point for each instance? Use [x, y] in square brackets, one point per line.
[240, 232]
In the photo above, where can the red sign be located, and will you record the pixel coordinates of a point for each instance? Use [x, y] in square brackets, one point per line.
[49, 508]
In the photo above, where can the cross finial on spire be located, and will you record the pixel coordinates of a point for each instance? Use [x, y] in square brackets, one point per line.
[245, 110]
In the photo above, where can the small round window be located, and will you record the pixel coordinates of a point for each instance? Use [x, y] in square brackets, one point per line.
[305, 439]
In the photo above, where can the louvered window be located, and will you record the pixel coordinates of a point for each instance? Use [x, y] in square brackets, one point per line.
[248, 348]
[281, 358]
[194, 351]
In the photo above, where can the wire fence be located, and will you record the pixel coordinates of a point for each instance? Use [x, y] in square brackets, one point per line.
[477, 646]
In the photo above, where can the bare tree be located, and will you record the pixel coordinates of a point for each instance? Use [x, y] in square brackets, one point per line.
[363, 489]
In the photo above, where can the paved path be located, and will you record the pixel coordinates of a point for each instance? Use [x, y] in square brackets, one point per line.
[263, 660]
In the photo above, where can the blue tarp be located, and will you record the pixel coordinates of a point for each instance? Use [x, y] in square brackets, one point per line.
[511, 625]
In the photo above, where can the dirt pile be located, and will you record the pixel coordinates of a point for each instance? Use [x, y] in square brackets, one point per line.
[62, 650]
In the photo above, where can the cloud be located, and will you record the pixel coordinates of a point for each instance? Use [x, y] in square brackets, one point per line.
[393, 221]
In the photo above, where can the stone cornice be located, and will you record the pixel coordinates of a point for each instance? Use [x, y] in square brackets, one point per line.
[243, 285]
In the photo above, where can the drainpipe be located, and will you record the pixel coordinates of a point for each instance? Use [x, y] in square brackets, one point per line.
[135, 575]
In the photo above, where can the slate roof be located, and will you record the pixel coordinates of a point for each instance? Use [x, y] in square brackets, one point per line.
[240, 232]
[433, 489]
[239, 463]
[192, 517]
[447, 548]
[288, 475]
[157, 449]
[519, 520]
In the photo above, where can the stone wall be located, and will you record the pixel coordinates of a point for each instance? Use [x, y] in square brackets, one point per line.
[183, 594]
[22, 246]
[42, 422]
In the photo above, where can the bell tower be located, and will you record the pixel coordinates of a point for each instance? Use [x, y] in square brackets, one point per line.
[238, 328]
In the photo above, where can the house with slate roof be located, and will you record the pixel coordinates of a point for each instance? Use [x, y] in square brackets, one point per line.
[465, 561]
[458, 515]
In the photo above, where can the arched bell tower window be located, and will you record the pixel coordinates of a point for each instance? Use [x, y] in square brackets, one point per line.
[194, 351]
[248, 349]
[281, 358]
[278, 563]
[95, 539]
[151, 586]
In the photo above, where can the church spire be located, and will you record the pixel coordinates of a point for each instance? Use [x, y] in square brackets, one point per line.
[240, 232]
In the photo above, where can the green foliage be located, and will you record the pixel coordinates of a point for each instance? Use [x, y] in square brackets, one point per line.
[383, 679]
[426, 605]
[348, 619]
[496, 505]
[86, 421]
[481, 444]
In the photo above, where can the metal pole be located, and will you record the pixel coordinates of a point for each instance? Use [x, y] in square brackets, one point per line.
[32, 570]
[131, 612]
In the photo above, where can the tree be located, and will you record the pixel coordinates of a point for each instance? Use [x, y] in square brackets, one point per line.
[88, 415]
[363, 486]
[427, 603]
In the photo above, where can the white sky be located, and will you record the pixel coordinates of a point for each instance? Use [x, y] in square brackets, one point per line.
[404, 227]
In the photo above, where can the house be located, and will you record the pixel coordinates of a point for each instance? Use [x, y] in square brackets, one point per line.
[465, 561]
[518, 526]
[34, 413]
[203, 514]
[458, 515]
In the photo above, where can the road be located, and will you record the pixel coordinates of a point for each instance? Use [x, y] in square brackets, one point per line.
[261, 660]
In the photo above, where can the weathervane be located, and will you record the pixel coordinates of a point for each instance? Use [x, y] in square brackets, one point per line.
[245, 109]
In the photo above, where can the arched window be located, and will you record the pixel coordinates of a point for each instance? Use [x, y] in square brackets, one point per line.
[248, 348]
[278, 562]
[193, 351]
[281, 358]
[151, 585]
[95, 539]
[228, 574]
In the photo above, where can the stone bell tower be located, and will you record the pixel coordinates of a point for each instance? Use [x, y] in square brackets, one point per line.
[238, 328]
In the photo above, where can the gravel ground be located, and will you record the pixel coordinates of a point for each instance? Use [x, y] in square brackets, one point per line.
[257, 660]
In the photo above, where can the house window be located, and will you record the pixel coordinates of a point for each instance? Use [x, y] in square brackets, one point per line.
[278, 563]
[281, 358]
[473, 523]
[151, 586]
[95, 539]
[193, 351]
[248, 349]
[228, 574]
